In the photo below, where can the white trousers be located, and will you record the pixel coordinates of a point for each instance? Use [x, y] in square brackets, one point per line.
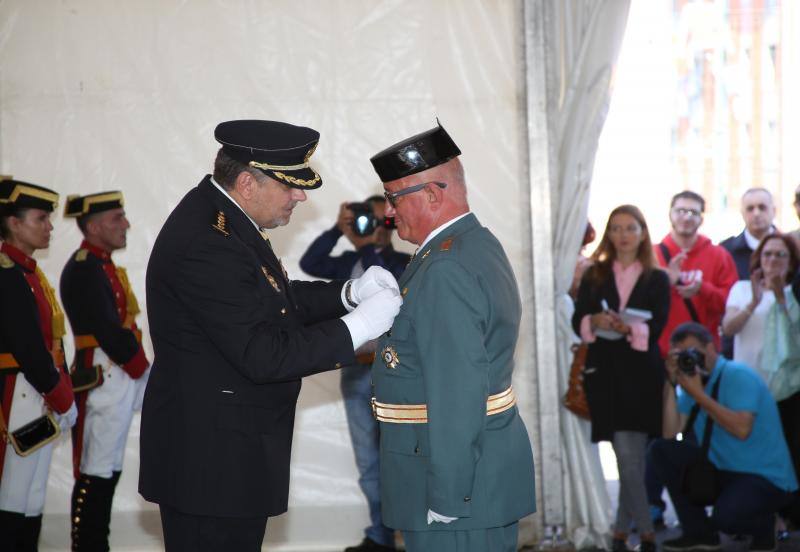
[24, 482]
[109, 411]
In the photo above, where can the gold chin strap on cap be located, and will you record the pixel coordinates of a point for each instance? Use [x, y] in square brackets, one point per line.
[271, 167]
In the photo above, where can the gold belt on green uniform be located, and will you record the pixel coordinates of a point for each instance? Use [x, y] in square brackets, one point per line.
[418, 413]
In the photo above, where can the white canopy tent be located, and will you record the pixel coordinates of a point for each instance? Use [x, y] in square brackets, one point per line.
[98, 95]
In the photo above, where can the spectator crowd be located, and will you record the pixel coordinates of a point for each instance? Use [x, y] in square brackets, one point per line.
[692, 373]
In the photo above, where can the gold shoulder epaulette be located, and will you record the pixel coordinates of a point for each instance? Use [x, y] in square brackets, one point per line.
[220, 225]
[81, 255]
[5, 261]
[446, 244]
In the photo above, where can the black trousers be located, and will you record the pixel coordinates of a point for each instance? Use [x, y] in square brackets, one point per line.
[190, 533]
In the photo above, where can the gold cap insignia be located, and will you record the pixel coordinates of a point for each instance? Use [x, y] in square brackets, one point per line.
[220, 224]
[271, 279]
[389, 356]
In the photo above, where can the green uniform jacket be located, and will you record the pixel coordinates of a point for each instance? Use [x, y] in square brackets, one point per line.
[453, 345]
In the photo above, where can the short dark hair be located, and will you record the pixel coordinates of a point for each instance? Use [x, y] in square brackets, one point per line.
[691, 329]
[227, 170]
[18, 212]
[83, 221]
[688, 194]
[375, 199]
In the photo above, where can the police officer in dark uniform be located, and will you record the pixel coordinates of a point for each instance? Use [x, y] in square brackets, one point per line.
[109, 368]
[233, 336]
[36, 399]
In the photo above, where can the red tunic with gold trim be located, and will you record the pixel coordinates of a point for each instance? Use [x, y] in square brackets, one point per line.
[101, 307]
[31, 328]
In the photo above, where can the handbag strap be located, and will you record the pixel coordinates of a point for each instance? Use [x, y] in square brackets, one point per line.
[688, 302]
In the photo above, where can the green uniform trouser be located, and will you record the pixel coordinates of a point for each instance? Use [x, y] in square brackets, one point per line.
[496, 539]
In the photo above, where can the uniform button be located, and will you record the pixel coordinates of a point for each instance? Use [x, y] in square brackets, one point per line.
[24, 395]
[467, 499]
[416, 449]
[337, 365]
[283, 310]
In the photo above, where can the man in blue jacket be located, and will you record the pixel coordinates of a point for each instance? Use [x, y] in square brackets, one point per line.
[373, 249]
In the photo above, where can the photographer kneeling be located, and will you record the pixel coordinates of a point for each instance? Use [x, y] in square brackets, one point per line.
[754, 474]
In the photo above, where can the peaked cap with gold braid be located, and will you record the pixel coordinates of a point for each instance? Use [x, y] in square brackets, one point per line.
[279, 150]
[78, 206]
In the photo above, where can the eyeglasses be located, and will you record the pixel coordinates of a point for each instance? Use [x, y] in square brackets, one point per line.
[683, 212]
[775, 254]
[391, 197]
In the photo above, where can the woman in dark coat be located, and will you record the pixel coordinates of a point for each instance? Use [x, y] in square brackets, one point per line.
[624, 373]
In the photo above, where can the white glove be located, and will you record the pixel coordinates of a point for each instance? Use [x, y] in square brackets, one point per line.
[68, 418]
[373, 317]
[372, 281]
[433, 516]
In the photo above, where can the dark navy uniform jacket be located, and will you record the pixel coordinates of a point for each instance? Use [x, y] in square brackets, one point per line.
[232, 338]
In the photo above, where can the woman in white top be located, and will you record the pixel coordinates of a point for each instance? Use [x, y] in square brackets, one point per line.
[772, 268]
[751, 313]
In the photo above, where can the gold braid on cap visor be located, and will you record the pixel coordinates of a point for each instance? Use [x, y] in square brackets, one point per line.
[288, 178]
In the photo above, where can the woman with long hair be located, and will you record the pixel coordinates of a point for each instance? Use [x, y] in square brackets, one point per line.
[624, 373]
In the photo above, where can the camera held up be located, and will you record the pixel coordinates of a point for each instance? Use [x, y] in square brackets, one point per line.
[364, 220]
[691, 360]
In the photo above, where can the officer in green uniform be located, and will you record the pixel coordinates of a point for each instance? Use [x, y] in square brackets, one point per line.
[456, 464]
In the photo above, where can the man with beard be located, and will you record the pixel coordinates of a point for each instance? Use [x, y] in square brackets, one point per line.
[233, 335]
[109, 372]
[700, 276]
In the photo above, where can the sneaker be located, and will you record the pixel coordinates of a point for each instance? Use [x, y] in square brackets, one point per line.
[369, 545]
[764, 544]
[692, 544]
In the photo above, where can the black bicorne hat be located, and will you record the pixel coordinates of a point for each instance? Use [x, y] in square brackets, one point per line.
[416, 154]
[78, 206]
[279, 150]
[15, 194]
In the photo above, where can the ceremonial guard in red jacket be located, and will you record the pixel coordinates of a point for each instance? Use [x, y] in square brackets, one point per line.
[36, 398]
[109, 372]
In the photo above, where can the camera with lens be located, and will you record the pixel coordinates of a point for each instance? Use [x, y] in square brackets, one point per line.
[689, 360]
[364, 220]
